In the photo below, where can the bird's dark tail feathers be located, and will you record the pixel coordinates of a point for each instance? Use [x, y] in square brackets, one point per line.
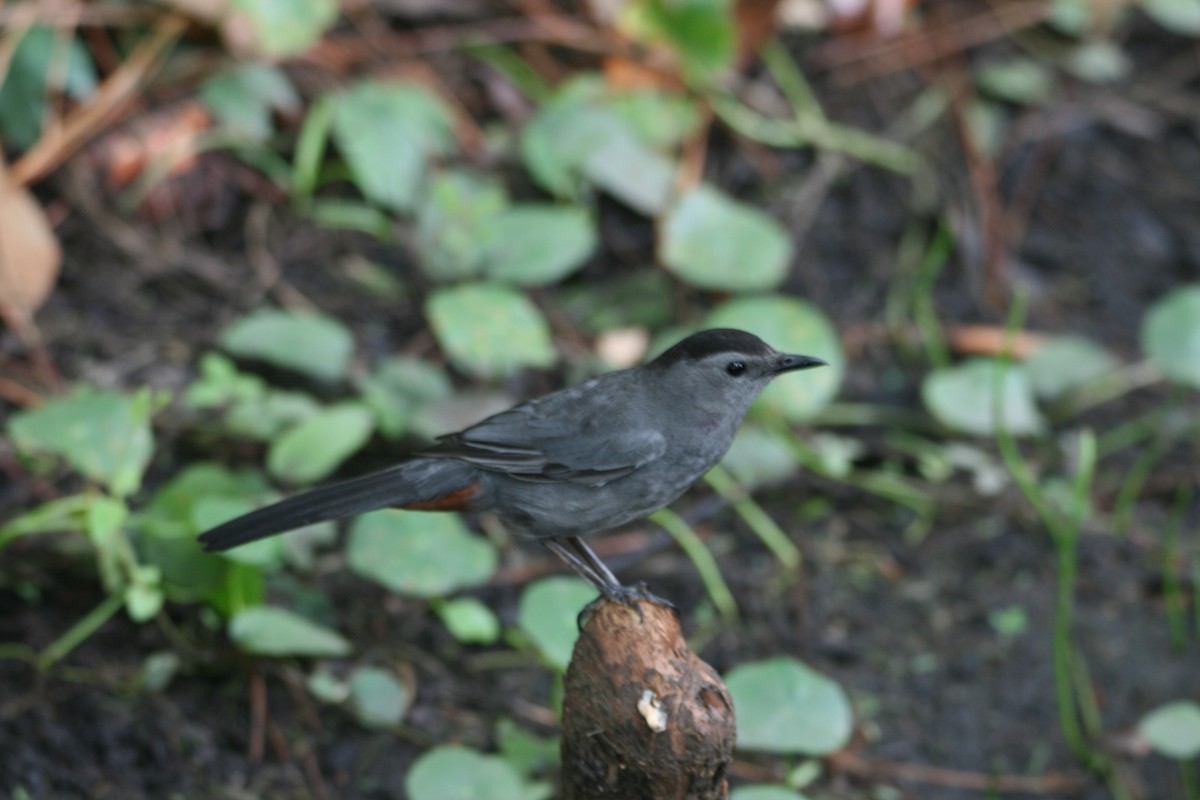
[419, 481]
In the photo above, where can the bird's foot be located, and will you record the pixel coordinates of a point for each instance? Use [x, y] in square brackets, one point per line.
[628, 596]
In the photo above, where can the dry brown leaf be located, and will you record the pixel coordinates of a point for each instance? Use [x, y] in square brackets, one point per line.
[29, 255]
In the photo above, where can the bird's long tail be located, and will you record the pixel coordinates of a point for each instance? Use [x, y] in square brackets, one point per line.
[424, 483]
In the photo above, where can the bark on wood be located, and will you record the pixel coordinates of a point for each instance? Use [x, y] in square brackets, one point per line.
[643, 717]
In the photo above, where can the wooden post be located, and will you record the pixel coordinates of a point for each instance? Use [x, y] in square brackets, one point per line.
[643, 717]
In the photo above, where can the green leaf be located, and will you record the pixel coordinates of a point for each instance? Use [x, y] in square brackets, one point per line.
[658, 118]
[469, 621]
[220, 383]
[490, 329]
[459, 773]
[427, 555]
[285, 28]
[548, 613]
[964, 397]
[702, 32]
[1098, 61]
[377, 698]
[388, 131]
[312, 344]
[317, 446]
[534, 244]
[244, 97]
[1063, 363]
[269, 631]
[1173, 730]
[1180, 17]
[61, 514]
[1071, 17]
[712, 241]
[791, 326]
[399, 388]
[581, 136]
[1011, 620]
[758, 457]
[525, 751]
[143, 601]
[1171, 335]
[765, 792]
[453, 222]
[783, 706]
[102, 434]
[1021, 80]
[29, 81]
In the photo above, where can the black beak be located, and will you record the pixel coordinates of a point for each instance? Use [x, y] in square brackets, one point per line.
[788, 363]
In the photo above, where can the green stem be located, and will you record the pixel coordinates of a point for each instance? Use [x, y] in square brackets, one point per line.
[791, 82]
[81, 630]
[813, 133]
[753, 515]
[706, 565]
[1173, 599]
[1138, 474]
[937, 254]
[1187, 776]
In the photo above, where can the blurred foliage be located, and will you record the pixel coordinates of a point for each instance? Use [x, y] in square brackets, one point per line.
[505, 233]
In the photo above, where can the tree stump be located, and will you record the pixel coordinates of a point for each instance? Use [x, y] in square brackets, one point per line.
[643, 717]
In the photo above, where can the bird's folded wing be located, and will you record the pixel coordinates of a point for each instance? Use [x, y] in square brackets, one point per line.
[535, 443]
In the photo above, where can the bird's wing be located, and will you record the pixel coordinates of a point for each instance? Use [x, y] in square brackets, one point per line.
[576, 436]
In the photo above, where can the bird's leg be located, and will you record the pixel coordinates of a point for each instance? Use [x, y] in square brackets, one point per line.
[589, 557]
[584, 569]
[610, 588]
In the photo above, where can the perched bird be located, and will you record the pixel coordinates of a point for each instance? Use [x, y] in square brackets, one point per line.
[574, 462]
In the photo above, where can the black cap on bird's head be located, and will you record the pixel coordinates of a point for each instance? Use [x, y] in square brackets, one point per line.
[733, 343]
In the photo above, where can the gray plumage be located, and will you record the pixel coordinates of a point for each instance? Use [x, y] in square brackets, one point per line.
[575, 462]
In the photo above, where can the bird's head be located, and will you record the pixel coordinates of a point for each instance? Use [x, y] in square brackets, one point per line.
[724, 367]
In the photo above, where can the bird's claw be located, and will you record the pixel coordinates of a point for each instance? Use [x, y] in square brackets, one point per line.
[628, 596]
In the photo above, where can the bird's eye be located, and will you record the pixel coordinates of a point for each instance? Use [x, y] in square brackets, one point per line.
[735, 368]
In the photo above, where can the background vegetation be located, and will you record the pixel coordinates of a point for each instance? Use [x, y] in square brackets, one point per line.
[299, 238]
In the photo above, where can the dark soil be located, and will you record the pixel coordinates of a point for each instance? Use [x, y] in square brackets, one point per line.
[1111, 225]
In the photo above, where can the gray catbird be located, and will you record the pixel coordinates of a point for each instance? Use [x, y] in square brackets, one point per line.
[584, 459]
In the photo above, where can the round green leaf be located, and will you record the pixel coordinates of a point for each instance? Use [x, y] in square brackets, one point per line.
[582, 133]
[469, 621]
[387, 131]
[244, 97]
[377, 698]
[287, 27]
[399, 389]
[312, 344]
[712, 241]
[1063, 363]
[964, 397]
[758, 457]
[535, 243]
[765, 792]
[1171, 335]
[459, 773]
[490, 329]
[427, 555]
[1173, 730]
[453, 221]
[1020, 80]
[1181, 17]
[791, 326]
[314, 448]
[548, 613]
[271, 631]
[102, 434]
[783, 706]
